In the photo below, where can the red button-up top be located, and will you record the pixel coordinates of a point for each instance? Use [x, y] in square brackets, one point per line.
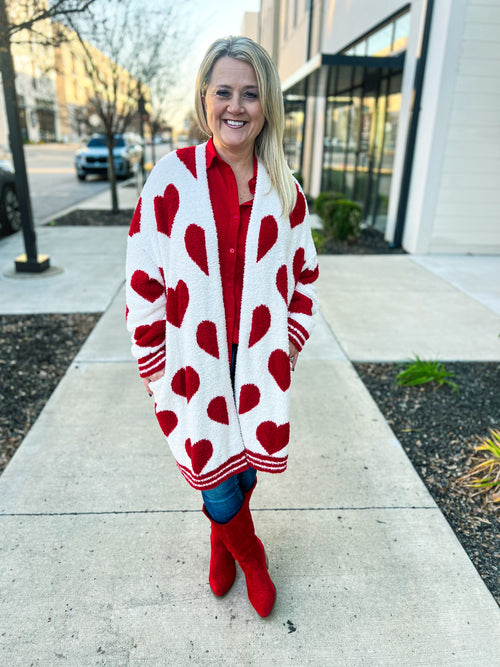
[231, 221]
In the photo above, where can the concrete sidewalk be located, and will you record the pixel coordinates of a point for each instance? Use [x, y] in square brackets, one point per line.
[104, 551]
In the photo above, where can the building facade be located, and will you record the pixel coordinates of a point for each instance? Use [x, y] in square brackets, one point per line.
[395, 104]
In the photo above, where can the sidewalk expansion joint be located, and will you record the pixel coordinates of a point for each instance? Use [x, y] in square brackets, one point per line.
[196, 511]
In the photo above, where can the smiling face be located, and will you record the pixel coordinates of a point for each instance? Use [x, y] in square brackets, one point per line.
[233, 109]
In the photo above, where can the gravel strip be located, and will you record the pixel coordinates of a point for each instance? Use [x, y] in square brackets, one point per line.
[35, 351]
[439, 429]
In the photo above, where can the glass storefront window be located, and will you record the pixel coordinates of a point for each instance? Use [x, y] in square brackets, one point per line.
[380, 42]
[401, 32]
[292, 139]
[360, 136]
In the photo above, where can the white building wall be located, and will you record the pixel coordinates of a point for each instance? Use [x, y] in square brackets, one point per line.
[294, 34]
[454, 196]
[467, 214]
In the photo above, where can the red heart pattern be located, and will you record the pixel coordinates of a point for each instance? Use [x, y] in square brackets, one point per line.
[200, 453]
[299, 210]
[206, 337]
[282, 282]
[268, 235]
[196, 248]
[186, 382]
[188, 157]
[273, 437]
[135, 223]
[166, 208]
[279, 367]
[150, 335]
[261, 321]
[298, 264]
[217, 410]
[177, 303]
[167, 420]
[145, 286]
[249, 398]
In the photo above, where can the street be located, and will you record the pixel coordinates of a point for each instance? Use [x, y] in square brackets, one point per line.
[53, 182]
[54, 186]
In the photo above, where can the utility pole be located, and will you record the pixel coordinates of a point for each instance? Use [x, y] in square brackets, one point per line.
[31, 261]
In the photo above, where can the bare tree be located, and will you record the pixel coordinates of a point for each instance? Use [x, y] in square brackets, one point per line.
[26, 16]
[16, 19]
[140, 42]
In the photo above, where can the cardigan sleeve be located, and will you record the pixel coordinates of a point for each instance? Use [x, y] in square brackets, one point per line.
[145, 290]
[303, 304]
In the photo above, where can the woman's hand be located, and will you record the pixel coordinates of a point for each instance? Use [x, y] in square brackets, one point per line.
[152, 378]
[294, 355]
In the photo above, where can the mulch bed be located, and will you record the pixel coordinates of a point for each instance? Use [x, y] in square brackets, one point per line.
[35, 351]
[437, 428]
[369, 242]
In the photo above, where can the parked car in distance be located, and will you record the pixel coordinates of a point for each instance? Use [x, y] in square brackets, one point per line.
[93, 158]
[10, 216]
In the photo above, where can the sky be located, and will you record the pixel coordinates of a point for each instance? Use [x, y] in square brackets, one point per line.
[219, 19]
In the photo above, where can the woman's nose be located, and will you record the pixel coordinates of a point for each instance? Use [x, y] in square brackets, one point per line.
[234, 105]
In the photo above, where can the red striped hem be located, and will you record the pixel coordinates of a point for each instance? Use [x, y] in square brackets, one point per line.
[298, 344]
[236, 464]
[152, 365]
[299, 327]
[266, 463]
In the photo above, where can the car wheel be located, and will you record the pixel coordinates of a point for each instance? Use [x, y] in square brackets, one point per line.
[9, 211]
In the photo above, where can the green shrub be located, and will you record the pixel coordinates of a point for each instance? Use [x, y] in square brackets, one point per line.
[323, 199]
[319, 239]
[298, 176]
[421, 372]
[342, 219]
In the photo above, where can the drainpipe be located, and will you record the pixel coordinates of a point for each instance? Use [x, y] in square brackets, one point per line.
[412, 132]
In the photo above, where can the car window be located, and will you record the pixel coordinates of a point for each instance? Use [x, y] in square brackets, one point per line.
[100, 142]
[97, 142]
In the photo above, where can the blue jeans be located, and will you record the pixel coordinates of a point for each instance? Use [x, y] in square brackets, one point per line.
[225, 500]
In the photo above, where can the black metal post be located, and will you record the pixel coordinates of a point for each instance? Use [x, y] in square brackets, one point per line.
[31, 262]
[141, 107]
[412, 131]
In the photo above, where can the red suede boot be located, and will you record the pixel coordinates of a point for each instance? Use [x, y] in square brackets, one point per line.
[222, 572]
[240, 539]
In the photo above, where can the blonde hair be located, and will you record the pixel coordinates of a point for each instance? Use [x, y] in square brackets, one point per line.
[269, 143]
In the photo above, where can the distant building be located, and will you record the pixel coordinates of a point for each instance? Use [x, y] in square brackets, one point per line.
[351, 71]
[250, 25]
[54, 91]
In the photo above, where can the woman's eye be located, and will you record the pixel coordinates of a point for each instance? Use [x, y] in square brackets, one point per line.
[222, 93]
[251, 95]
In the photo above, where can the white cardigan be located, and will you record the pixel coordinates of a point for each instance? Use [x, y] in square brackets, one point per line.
[175, 313]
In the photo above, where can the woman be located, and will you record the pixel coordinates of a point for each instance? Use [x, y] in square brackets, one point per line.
[220, 298]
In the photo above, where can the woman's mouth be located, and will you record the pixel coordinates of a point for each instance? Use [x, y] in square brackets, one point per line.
[235, 124]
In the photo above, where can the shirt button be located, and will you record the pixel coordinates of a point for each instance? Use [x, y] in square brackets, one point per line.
[231, 250]
[235, 217]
